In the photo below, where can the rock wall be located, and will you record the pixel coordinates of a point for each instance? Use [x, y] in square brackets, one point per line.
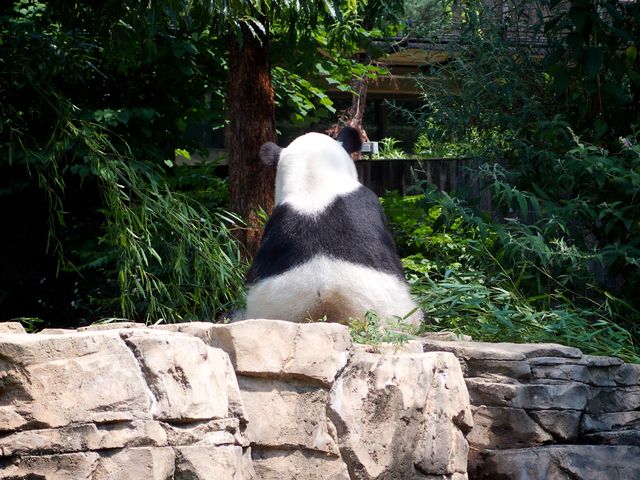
[549, 412]
[322, 408]
[275, 400]
[110, 402]
[119, 404]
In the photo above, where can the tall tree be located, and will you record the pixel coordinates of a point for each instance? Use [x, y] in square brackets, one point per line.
[251, 102]
[252, 114]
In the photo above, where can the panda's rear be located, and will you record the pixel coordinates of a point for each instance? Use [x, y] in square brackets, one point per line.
[326, 252]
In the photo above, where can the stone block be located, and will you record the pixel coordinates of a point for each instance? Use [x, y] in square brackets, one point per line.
[53, 380]
[620, 399]
[516, 369]
[100, 327]
[618, 437]
[212, 433]
[144, 462]
[403, 415]
[11, 327]
[591, 375]
[287, 414]
[188, 379]
[229, 462]
[563, 425]
[315, 351]
[297, 465]
[628, 374]
[84, 436]
[505, 427]
[575, 462]
[610, 421]
[501, 351]
[586, 360]
[564, 395]
[68, 466]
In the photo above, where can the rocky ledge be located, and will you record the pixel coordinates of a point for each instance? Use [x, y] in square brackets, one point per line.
[254, 399]
[544, 411]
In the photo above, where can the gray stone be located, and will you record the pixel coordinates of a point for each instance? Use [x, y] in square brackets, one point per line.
[54, 331]
[297, 465]
[620, 399]
[566, 395]
[619, 437]
[600, 361]
[628, 374]
[501, 351]
[504, 427]
[610, 421]
[315, 352]
[83, 437]
[516, 369]
[591, 375]
[563, 425]
[214, 432]
[53, 380]
[288, 414]
[571, 462]
[189, 381]
[586, 360]
[120, 325]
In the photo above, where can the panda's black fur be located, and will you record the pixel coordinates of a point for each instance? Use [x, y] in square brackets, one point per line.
[291, 238]
[326, 251]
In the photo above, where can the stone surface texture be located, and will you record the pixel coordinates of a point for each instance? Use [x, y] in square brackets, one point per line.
[259, 399]
[548, 412]
[265, 399]
[322, 408]
[119, 404]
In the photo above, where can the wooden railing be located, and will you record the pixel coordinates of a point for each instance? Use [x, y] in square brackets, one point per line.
[447, 174]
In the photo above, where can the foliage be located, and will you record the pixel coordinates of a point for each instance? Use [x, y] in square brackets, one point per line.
[505, 281]
[594, 64]
[370, 331]
[474, 305]
[388, 149]
[94, 104]
[557, 259]
[30, 324]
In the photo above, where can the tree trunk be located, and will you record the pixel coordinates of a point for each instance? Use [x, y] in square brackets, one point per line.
[358, 105]
[252, 113]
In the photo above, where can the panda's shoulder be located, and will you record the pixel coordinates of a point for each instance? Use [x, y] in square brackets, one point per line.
[362, 202]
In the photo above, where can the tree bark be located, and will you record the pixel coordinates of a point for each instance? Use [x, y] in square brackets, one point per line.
[251, 106]
[358, 105]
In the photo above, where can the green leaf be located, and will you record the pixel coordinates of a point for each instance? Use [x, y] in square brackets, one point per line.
[593, 59]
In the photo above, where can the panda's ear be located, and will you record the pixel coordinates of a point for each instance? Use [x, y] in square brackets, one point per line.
[270, 154]
[350, 139]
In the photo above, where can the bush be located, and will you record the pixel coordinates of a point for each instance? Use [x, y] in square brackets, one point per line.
[508, 281]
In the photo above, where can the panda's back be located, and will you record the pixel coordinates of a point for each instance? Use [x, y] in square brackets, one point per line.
[350, 229]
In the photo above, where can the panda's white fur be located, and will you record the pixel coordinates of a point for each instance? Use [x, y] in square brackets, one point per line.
[312, 171]
[337, 268]
[333, 288]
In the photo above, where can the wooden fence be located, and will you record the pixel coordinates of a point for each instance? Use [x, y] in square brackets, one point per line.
[447, 174]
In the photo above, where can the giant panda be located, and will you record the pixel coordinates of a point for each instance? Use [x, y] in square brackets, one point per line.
[326, 253]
